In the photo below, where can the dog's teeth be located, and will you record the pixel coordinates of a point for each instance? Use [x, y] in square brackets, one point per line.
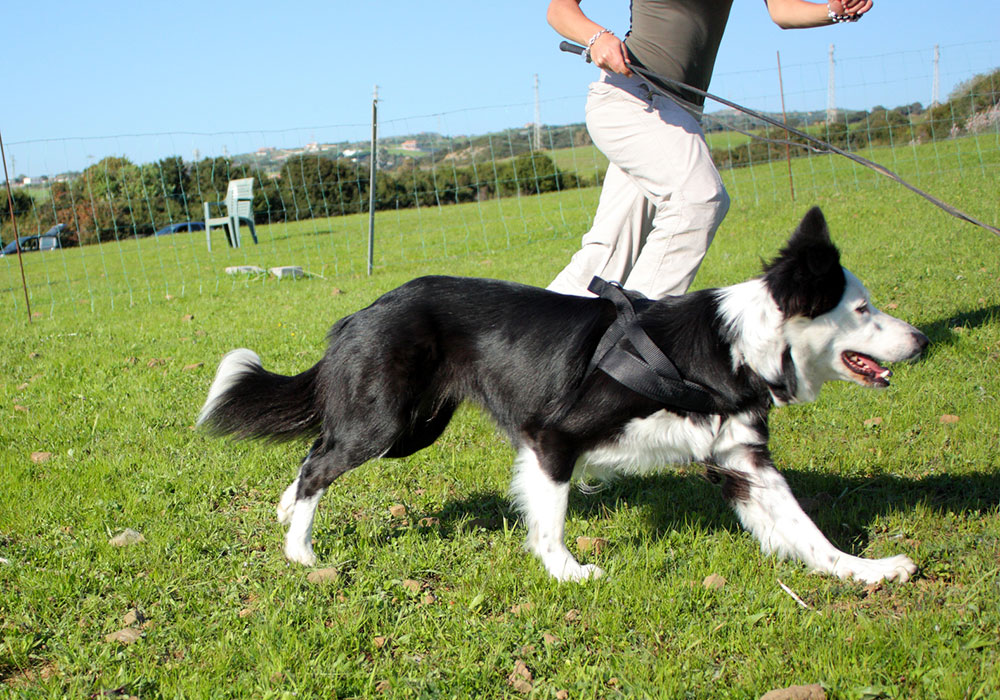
[885, 374]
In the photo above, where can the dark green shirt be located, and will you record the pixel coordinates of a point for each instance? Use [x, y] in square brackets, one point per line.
[678, 39]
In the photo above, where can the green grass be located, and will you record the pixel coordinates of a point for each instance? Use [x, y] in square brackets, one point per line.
[588, 161]
[110, 374]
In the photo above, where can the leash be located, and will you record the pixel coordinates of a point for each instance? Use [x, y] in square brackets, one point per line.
[817, 145]
[648, 372]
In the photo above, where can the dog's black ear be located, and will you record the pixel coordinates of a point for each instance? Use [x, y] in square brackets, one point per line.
[806, 278]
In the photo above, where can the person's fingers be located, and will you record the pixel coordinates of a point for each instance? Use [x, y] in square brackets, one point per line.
[851, 7]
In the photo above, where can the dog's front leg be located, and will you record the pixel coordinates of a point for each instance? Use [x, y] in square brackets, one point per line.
[542, 500]
[766, 507]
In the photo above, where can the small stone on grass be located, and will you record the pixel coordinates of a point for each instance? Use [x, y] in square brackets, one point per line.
[124, 636]
[813, 691]
[126, 537]
[714, 582]
[323, 575]
[595, 545]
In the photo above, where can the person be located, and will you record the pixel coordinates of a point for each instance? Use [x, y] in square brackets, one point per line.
[662, 198]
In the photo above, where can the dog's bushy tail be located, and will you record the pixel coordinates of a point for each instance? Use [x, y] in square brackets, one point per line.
[247, 401]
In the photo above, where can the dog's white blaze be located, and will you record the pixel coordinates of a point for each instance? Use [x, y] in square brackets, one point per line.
[877, 333]
[232, 366]
[298, 539]
[542, 503]
[647, 444]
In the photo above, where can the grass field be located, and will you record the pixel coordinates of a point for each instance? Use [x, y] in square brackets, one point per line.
[588, 161]
[433, 595]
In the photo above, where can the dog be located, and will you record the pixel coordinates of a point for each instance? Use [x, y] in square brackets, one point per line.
[395, 372]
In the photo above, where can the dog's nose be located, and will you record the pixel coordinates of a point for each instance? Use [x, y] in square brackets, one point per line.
[922, 341]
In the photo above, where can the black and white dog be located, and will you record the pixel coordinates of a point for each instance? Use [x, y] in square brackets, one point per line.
[395, 371]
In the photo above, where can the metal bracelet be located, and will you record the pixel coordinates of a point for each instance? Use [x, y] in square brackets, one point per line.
[590, 44]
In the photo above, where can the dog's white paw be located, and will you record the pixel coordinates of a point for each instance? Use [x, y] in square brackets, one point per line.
[897, 568]
[300, 553]
[563, 567]
[580, 572]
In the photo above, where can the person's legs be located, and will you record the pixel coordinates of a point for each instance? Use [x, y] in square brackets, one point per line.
[662, 168]
[609, 250]
[690, 203]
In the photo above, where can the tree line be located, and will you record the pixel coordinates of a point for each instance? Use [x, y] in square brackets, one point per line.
[971, 107]
[115, 198]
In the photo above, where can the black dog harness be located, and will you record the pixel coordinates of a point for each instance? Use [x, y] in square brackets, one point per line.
[647, 371]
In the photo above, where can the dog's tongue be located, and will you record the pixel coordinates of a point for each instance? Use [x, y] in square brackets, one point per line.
[864, 365]
[870, 365]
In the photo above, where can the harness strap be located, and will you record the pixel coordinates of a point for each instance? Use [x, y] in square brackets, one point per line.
[650, 373]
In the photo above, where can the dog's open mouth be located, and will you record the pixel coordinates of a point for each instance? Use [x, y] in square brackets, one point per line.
[867, 370]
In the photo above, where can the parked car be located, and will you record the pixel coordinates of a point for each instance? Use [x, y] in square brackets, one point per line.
[50, 240]
[182, 227]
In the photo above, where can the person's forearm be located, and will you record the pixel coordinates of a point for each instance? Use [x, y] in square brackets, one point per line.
[798, 14]
[566, 17]
[604, 49]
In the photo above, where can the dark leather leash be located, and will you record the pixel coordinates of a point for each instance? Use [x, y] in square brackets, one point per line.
[816, 145]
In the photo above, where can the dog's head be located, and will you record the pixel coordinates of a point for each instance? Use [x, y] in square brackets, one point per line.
[829, 322]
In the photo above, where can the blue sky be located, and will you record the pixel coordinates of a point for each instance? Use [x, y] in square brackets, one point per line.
[146, 80]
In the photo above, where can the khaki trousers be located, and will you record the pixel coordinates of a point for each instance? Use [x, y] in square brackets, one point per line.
[662, 199]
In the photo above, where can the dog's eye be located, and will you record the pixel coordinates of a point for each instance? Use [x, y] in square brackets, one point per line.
[862, 308]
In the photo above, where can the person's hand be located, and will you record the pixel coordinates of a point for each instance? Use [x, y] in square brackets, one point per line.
[608, 53]
[850, 7]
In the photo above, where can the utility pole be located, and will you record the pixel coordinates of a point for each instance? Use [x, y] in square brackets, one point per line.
[536, 136]
[371, 183]
[831, 91]
[936, 85]
[784, 119]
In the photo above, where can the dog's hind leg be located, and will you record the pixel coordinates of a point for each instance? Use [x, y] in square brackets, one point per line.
[321, 467]
[378, 423]
[287, 503]
[298, 512]
[542, 499]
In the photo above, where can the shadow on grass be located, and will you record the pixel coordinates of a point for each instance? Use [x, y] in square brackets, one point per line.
[942, 330]
[842, 507]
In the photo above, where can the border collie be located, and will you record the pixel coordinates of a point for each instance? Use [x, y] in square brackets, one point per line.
[395, 371]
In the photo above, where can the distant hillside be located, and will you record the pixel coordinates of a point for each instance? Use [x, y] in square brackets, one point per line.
[425, 149]
[732, 120]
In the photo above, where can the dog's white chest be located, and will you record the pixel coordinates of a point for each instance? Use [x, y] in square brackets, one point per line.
[647, 444]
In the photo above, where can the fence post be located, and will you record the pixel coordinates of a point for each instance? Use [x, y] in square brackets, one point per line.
[371, 183]
[784, 119]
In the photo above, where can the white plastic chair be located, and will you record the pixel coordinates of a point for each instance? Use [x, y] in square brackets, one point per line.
[239, 209]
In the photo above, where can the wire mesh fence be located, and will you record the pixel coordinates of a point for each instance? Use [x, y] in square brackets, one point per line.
[130, 210]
